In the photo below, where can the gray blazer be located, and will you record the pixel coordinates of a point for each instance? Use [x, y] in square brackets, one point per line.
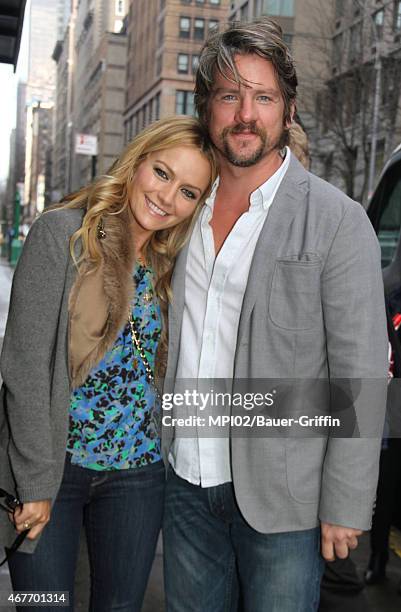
[34, 366]
[313, 309]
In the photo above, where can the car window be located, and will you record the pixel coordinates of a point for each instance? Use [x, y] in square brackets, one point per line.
[389, 225]
[385, 212]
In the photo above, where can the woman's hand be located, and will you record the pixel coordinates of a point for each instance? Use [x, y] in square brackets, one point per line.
[33, 516]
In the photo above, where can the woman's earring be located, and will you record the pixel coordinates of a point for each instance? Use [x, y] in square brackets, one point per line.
[101, 234]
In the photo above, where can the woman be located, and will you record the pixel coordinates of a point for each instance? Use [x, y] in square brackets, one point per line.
[88, 309]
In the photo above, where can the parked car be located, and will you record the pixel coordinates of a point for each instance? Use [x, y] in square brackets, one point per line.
[384, 212]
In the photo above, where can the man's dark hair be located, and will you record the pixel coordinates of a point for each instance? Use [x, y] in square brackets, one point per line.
[264, 37]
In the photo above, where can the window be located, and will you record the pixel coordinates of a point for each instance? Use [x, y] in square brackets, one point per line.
[214, 1]
[120, 7]
[182, 63]
[257, 7]
[279, 7]
[184, 102]
[378, 19]
[397, 16]
[195, 63]
[340, 6]
[337, 49]
[199, 29]
[213, 23]
[244, 10]
[352, 99]
[200, 1]
[355, 41]
[328, 166]
[186, 1]
[385, 211]
[159, 64]
[161, 32]
[150, 111]
[287, 38]
[185, 27]
[157, 106]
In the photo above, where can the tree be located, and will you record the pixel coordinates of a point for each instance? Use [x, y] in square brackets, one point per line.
[345, 101]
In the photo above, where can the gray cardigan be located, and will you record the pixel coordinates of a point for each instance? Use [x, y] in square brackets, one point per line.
[48, 310]
[34, 366]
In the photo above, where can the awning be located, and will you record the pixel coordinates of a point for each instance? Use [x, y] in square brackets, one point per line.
[11, 20]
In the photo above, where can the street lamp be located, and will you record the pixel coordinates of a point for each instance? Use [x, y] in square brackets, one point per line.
[376, 106]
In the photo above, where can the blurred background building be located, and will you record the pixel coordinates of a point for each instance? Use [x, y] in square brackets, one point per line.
[164, 42]
[358, 107]
[16, 173]
[101, 70]
[348, 58]
[98, 84]
[64, 57]
[42, 35]
[47, 18]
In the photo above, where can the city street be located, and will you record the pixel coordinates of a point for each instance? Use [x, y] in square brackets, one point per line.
[380, 598]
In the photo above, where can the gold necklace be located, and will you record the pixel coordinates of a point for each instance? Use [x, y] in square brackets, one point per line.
[136, 343]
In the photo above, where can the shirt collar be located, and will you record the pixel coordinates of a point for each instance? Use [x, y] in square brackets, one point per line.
[264, 194]
[209, 202]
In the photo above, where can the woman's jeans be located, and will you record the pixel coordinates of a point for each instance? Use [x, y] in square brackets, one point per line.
[121, 512]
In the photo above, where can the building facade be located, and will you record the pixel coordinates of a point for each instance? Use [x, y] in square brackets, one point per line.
[9, 193]
[47, 19]
[38, 142]
[63, 142]
[361, 96]
[301, 22]
[42, 38]
[164, 41]
[91, 98]
[347, 54]
[20, 130]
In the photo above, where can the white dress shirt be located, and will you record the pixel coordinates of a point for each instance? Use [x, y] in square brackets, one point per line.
[214, 291]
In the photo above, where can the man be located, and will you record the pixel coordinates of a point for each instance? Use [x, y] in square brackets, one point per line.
[281, 280]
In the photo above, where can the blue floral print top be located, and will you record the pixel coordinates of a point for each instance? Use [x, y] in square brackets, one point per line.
[112, 424]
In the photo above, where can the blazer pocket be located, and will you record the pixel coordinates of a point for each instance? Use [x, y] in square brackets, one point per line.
[304, 462]
[295, 294]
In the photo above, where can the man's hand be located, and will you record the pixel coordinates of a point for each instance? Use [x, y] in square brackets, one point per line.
[33, 516]
[338, 541]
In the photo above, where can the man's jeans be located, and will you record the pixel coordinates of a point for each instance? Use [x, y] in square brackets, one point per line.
[208, 546]
[121, 511]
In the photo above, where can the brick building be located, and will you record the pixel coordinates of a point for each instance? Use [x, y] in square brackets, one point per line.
[164, 41]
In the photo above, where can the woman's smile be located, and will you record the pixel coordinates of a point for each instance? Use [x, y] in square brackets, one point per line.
[155, 210]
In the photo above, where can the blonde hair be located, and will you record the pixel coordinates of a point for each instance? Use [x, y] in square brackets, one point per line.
[108, 195]
[299, 144]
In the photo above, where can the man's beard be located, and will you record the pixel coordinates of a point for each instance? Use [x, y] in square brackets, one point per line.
[247, 159]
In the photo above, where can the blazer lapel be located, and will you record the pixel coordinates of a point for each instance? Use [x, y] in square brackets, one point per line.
[292, 191]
